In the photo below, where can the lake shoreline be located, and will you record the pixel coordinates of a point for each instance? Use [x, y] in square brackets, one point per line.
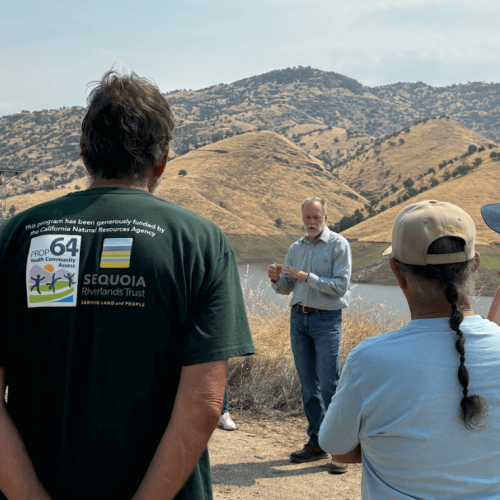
[383, 296]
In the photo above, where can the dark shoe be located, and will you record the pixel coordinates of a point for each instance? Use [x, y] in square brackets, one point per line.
[309, 453]
[336, 467]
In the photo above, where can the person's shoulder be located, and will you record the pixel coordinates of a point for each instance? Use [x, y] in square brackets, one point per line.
[377, 345]
[48, 208]
[196, 226]
[478, 325]
[186, 216]
[336, 237]
[297, 243]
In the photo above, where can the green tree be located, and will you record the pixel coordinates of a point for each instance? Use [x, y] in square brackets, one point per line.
[408, 183]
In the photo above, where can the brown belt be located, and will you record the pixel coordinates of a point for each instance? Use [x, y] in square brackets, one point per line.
[306, 309]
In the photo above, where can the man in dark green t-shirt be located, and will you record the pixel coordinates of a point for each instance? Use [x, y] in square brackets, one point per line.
[122, 310]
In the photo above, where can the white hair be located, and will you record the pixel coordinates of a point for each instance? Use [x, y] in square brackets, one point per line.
[315, 199]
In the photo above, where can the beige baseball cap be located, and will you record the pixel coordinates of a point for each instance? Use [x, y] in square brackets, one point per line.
[418, 225]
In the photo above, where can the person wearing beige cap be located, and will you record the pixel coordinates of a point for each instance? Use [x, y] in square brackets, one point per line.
[420, 406]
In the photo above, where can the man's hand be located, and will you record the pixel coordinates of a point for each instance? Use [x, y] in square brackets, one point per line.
[274, 272]
[291, 272]
[18, 479]
[196, 411]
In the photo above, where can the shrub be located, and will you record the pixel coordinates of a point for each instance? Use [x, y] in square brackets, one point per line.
[267, 382]
[408, 183]
[182, 172]
[461, 170]
[348, 221]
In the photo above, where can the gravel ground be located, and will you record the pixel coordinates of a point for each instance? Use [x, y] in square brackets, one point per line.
[253, 462]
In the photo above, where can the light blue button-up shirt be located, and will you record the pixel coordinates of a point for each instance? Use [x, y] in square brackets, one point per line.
[328, 261]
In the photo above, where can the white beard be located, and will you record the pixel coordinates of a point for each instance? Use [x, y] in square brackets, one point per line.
[318, 231]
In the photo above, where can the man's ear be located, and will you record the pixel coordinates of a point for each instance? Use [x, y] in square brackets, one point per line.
[161, 167]
[399, 275]
[477, 259]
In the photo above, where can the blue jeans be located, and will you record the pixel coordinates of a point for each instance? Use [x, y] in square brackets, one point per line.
[315, 346]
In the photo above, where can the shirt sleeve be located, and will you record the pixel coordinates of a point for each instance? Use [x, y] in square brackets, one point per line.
[219, 329]
[284, 286]
[342, 266]
[339, 432]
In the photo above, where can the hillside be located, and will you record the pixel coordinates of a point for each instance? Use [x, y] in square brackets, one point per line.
[40, 142]
[469, 192]
[401, 165]
[252, 186]
[282, 99]
[278, 101]
[332, 145]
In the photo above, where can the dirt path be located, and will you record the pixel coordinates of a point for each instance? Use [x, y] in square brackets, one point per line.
[252, 462]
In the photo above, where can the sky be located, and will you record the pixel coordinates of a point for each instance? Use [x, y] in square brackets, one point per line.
[51, 50]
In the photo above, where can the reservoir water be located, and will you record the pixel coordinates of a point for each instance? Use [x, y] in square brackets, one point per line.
[389, 298]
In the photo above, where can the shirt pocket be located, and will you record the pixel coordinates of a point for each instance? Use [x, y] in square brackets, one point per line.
[323, 267]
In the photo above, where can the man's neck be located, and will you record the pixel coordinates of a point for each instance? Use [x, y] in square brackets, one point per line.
[312, 239]
[123, 182]
[438, 309]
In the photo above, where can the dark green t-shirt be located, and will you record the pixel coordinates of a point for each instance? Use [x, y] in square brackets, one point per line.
[107, 293]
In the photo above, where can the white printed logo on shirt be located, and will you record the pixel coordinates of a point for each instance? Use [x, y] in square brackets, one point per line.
[52, 270]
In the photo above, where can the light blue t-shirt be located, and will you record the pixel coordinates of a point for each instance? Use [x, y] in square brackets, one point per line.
[399, 396]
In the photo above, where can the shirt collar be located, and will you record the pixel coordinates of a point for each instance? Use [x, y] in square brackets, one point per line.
[325, 236]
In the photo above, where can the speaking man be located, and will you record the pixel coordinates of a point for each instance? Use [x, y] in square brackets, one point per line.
[317, 271]
[115, 376]
[420, 406]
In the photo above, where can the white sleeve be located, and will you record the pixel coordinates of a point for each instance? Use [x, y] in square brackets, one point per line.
[339, 432]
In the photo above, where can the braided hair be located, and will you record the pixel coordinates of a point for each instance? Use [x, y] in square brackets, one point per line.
[455, 280]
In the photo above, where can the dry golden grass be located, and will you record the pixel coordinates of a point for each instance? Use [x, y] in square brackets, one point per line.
[334, 141]
[245, 183]
[391, 163]
[24, 201]
[469, 192]
[267, 381]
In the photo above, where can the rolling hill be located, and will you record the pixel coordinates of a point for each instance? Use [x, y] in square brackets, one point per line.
[380, 171]
[252, 186]
[278, 101]
[469, 192]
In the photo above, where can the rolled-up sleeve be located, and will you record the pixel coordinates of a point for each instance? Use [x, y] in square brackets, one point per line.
[342, 264]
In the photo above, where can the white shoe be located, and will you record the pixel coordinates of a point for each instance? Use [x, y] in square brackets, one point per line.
[226, 422]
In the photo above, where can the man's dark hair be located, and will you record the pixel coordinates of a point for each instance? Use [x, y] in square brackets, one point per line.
[456, 280]
[127, 128]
